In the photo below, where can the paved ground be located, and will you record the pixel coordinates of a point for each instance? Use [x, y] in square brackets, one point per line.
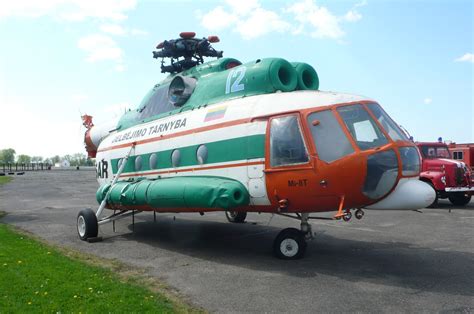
[387, 262]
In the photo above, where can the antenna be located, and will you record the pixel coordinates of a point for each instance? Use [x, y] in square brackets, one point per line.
[185, 52]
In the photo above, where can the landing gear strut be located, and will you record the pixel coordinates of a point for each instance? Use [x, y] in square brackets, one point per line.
[290, 243]
[88, 222]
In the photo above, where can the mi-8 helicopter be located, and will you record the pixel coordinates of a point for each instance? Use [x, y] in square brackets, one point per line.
[253, 137]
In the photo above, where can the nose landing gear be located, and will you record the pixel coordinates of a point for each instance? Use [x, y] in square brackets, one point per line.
[290, 243]
[359, 214]
[347, 216]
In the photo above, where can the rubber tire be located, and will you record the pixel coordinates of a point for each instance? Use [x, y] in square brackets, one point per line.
[435, 202]
[236, 217]
[347, 217]
[359, 214]
[459, 198]
[91, 225]
[293, 234]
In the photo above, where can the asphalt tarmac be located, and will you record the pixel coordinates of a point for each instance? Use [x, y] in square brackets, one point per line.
[397, 261]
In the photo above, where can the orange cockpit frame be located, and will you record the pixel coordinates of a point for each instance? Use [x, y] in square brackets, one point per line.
[322, 182]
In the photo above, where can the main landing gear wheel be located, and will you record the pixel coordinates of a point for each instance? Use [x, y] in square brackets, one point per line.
[237, 217]
[87, 226]
[289, 244]
[459, 198]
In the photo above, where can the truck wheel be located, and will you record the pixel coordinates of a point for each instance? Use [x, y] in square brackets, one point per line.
[435, 202]
[237, 217]
[459, 198]
[87, 226]
[289, 244]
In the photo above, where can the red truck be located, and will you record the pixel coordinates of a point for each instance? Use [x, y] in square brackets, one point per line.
[450, 178]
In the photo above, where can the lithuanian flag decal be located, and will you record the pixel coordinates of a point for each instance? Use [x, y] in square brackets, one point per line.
[215, 113]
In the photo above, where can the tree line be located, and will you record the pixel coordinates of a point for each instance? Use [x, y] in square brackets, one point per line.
[8, 155]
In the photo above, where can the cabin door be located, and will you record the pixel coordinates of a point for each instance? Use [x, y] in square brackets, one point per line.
[292, 183]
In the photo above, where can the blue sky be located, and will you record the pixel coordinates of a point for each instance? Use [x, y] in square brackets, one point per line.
[60, 58]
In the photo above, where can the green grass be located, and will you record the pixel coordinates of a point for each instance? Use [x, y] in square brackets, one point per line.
[5, 179]
[35, 277]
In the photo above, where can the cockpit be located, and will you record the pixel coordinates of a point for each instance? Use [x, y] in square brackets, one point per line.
[369, 128]
[342, 130]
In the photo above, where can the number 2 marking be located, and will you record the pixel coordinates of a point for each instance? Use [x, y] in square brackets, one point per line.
[236, 86]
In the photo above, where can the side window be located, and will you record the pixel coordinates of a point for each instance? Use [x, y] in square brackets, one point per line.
[458, 155]
[286, 142]
[157, 103]
[326, 132]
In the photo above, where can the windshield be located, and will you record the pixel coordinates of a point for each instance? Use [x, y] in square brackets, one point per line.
[387, 123]
[435, 151]
[362, 127]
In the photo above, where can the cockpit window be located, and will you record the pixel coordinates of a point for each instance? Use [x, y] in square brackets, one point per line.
[387, 123]
[435, 151]
[362, 127]
[326, 132]
[157, 103]
[286, 143]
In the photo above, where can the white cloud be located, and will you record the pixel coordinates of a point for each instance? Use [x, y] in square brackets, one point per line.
[243, 7]
[468, 57]
[119, 30]
[218, 19]
[66, 133]
[251, 20]
[110, 12]
[362, 3]
[261, 22]
[113, 29]
[119, 67]
[320, 21]
[246, 17]
[427, 101]
[70, 10]
[352, 16]
[138, 32]
[79, 98]
[100, 47]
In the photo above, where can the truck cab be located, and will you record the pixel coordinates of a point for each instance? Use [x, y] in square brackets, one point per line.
[450, 178]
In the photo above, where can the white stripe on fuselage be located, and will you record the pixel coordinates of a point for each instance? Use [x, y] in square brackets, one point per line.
[237, 109]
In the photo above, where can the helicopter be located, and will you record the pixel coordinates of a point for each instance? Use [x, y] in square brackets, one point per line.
[260, 136]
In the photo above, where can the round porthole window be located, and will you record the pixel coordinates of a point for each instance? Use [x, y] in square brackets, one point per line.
[153, 161]
[201, 154]
[138, 163]
[175, 158]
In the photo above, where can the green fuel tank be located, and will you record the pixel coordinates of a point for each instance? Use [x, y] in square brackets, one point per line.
[177, 192]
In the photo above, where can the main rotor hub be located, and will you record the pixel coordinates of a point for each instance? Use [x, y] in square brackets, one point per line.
[185, 52]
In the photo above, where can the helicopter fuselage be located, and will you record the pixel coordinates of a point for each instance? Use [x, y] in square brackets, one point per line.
[300, 151]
